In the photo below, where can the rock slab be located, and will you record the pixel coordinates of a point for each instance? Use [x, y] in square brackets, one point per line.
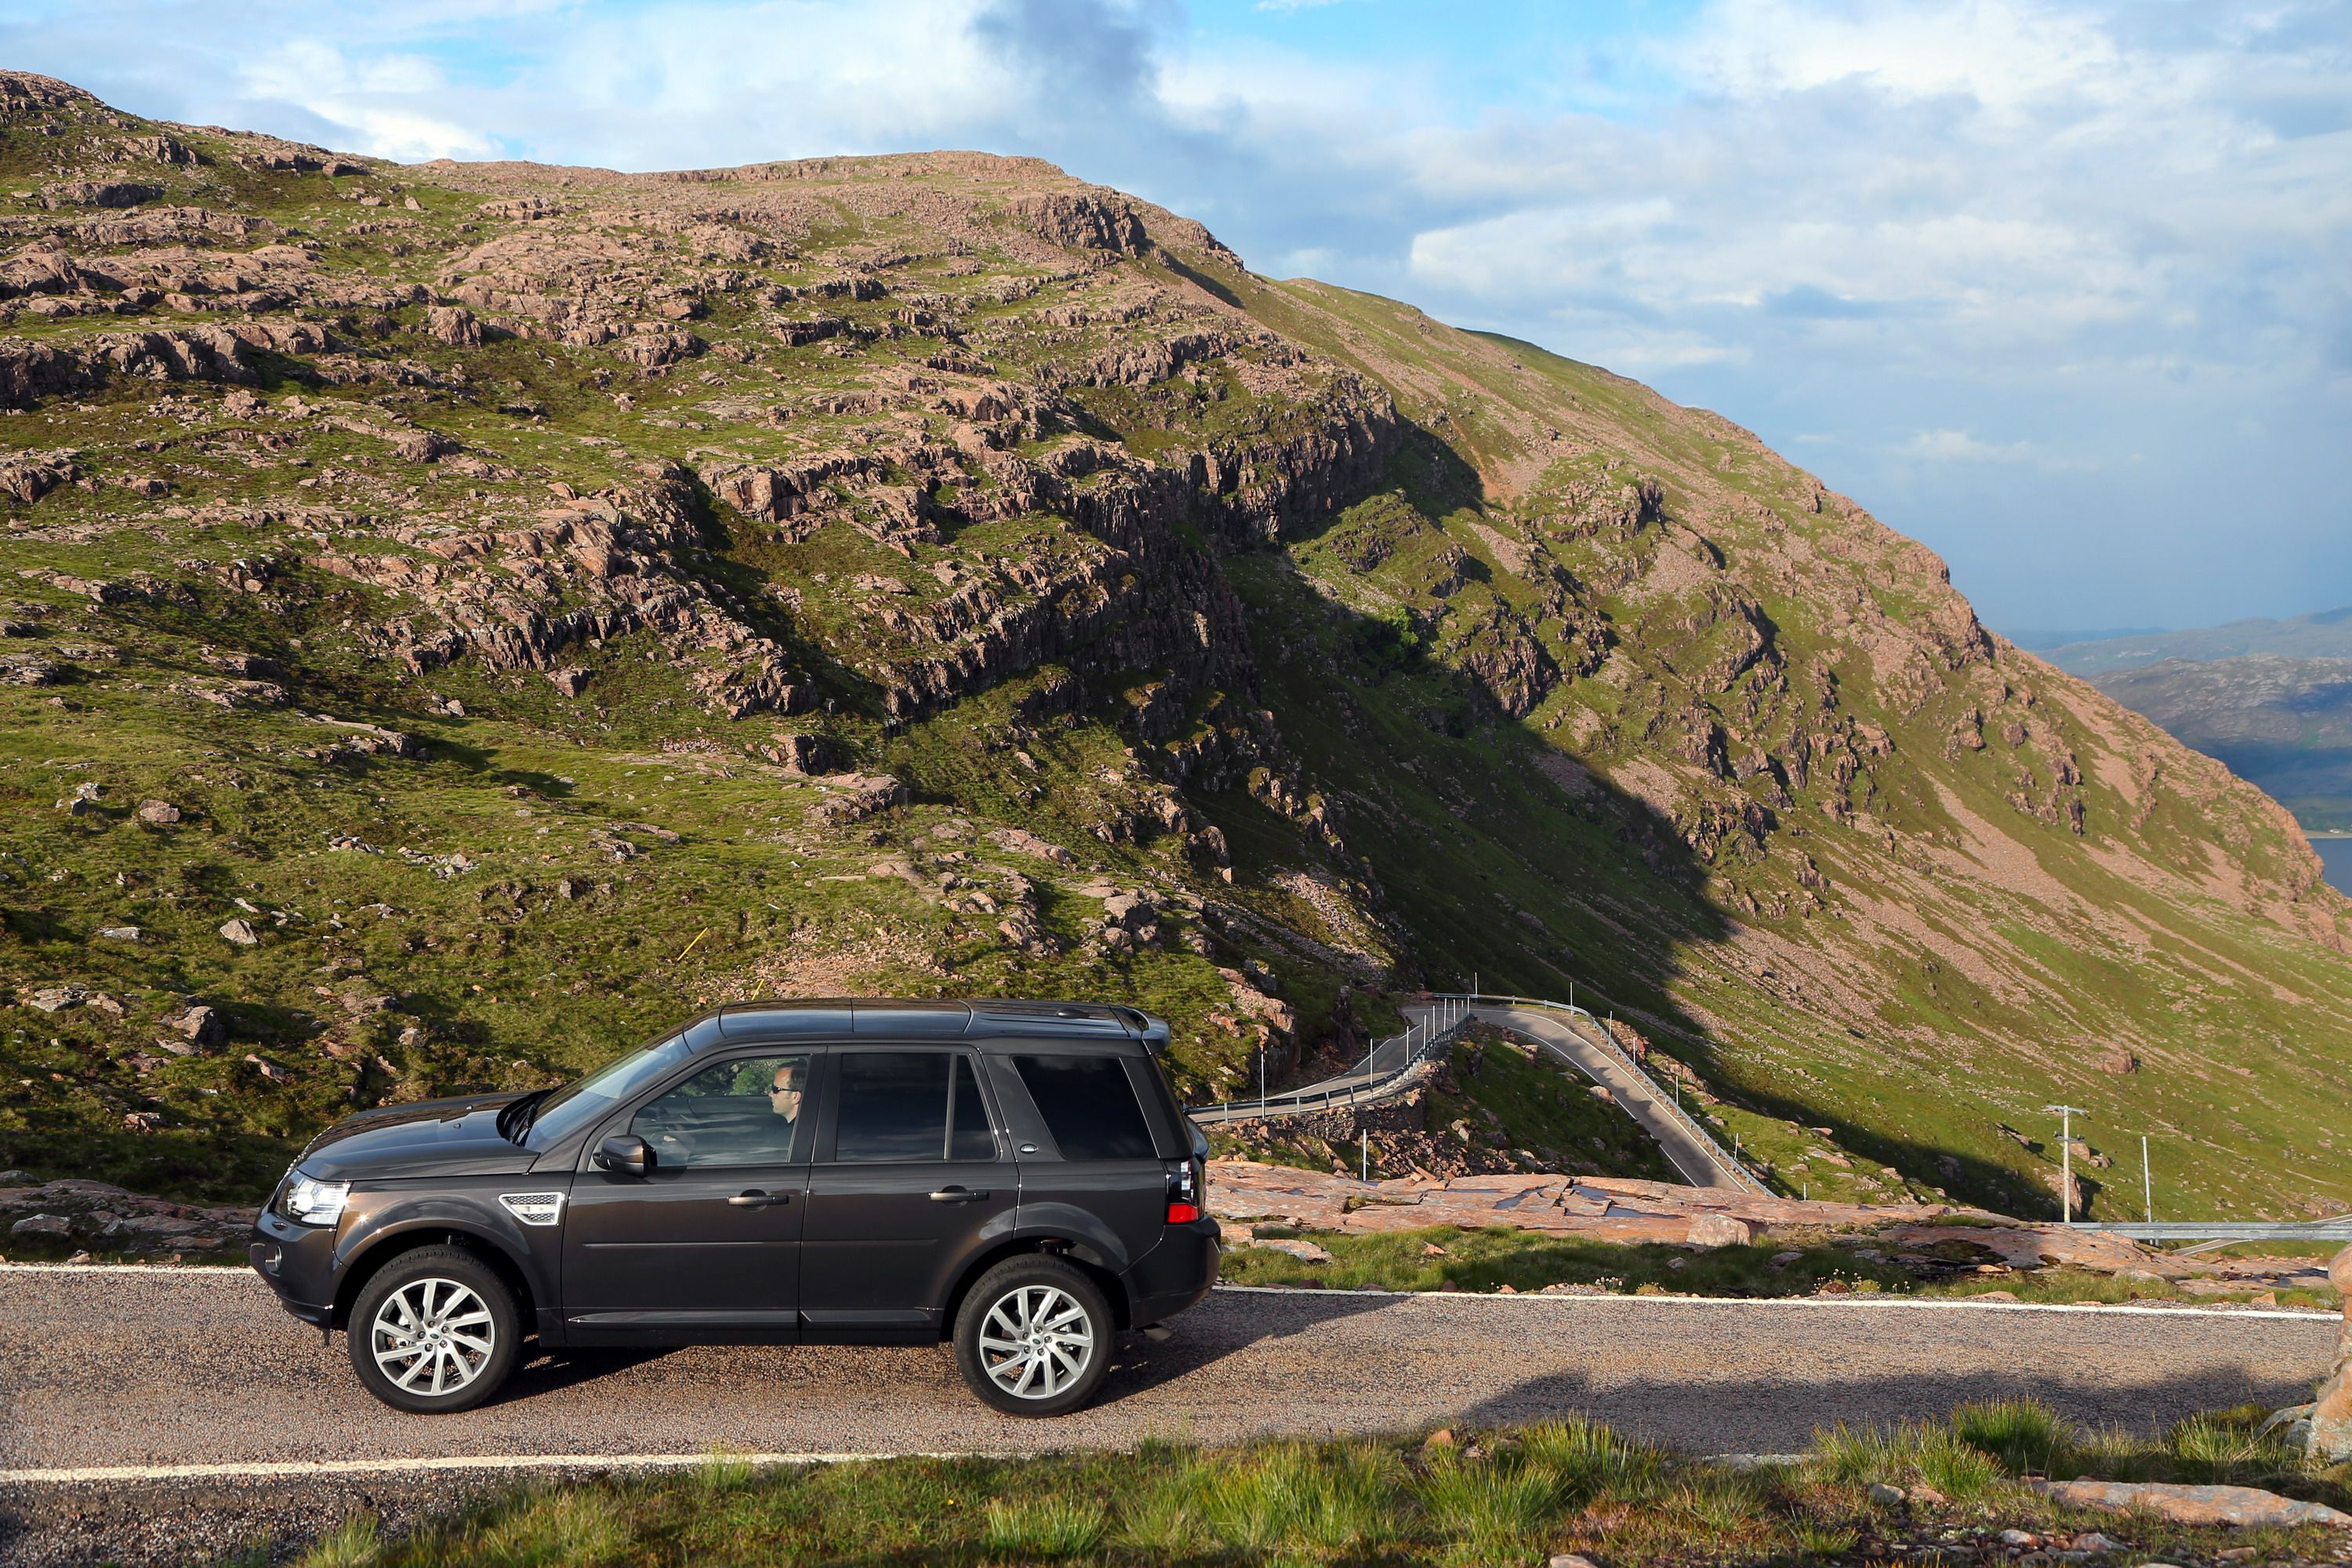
[2242, 1506]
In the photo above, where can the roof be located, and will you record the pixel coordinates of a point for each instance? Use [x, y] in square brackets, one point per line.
[902, 1018]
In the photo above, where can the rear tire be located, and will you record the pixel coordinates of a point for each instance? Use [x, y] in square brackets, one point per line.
[434, 1331]
[1033, 1337]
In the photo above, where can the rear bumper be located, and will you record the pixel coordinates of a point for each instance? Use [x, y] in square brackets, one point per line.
[1175, 1274]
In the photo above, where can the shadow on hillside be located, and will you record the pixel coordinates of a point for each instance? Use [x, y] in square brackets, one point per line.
[1510, 863]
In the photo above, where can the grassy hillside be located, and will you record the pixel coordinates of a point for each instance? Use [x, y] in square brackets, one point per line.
[461, 619]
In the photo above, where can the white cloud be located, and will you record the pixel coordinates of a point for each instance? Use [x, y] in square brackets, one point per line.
[1958, 445]
[372, 101]
[1998, 52]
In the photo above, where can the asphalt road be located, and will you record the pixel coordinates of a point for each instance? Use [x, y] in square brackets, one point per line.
[113, 1369]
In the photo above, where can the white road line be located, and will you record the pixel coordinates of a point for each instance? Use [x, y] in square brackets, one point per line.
[2298, 1314]
[218, 1270]
[289, 1469]
[1920, 1303]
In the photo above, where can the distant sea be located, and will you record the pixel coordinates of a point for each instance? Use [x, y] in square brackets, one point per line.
[2335, 854]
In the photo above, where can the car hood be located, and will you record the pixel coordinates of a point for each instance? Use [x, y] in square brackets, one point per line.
[430, 1138]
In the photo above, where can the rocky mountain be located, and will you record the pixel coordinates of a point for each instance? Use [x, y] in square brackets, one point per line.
[2326, 635]
[2283, 723]
[460, 618]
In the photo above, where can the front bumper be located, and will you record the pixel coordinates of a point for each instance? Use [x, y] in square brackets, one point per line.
[299, 1262]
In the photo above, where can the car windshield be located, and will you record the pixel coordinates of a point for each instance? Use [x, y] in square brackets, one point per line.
[575, 1105]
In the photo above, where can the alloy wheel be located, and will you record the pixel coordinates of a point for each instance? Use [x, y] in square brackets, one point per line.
[432, 1336]
[1036, 1341]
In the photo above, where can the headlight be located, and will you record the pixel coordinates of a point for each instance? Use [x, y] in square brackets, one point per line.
[309, 1201]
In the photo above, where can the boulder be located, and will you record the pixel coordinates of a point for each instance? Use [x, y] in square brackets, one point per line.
[2243, 1505]
[806, 754]
[241, 933]
[1129, 912]
[454, 325]
[198, 1024]
[1713, 1230]
[1304, 1251]
[158, 812]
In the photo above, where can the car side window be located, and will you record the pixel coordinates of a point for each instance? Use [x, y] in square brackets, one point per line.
[746, 1112]
[907, 1106]
[1088, 1106]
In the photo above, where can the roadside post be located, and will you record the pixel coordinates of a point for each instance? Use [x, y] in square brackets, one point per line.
[2147, 1182]
[2066, 1114]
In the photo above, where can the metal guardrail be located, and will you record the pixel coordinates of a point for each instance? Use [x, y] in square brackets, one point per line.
[1421, 1042]
[1724, 1159]
[2225, 1230]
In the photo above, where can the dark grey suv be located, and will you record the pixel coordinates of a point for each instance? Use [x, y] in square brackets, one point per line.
[1014, 1176]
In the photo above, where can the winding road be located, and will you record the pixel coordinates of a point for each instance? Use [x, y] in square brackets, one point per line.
[1564, 1034]
[140, 1404]
[1695, 1157]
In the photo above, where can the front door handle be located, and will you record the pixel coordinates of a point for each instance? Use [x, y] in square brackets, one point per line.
[957, 1195]
[755, 1199]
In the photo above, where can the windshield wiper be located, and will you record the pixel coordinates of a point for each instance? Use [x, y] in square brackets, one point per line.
[516, 1116]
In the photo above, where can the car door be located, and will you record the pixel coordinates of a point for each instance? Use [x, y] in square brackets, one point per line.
[911, 1178]
[706, 1244]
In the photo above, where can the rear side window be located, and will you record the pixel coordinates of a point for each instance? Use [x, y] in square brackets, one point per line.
[1088, 1106]
[910, 1105]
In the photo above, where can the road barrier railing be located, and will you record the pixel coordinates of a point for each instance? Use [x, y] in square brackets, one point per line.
[2222, 1230]
[1725, 1159]
[1418, 1044]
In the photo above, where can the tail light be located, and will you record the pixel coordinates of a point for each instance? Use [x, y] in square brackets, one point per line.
[1187, 1184]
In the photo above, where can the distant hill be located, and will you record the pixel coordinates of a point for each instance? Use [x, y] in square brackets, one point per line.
[2041, 639]
[2283, 723]
[2325, 634]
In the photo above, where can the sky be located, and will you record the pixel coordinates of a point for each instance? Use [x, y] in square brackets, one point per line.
[2065, 291]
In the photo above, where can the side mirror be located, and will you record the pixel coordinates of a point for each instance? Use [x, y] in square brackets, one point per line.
[623, 1154]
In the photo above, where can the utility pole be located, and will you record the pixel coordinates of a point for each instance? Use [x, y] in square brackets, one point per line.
[2147, 1182]
[2066, 1114]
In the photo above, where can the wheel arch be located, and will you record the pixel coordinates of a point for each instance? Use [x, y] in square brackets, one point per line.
[387, 1247]
[1072, 1251]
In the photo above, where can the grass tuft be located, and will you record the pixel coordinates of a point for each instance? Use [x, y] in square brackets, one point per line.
[1050, 1528]
[2024, 1434]
[353, 1544]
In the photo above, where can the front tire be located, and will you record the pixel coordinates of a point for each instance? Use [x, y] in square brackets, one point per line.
[434, 1331]
[1033, 1337]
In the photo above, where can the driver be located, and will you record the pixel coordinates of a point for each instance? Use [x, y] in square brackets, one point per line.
[784, 1093]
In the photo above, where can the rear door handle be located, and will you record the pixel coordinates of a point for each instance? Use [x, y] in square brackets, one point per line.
[755, 1199]
[957, 1195]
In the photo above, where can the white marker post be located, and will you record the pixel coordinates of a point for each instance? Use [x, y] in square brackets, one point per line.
[2066, 1114]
